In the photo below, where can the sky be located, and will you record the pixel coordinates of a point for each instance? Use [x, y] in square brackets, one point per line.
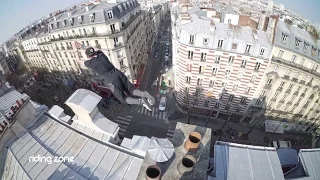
[16, 14]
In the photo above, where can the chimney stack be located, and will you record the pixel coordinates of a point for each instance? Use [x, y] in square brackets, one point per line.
[18, 103]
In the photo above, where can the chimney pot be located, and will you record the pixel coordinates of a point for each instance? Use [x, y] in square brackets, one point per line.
[18, 103]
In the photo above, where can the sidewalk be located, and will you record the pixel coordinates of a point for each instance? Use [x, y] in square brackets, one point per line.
[256, 136]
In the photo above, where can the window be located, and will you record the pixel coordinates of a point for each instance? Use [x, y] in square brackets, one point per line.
[263, 93]
[186, 90]
[280, 54]
[191, 39]
[248, 47]
[297, 43]
[306, 46]
[290, 86]
[65, 54]
[234, 46]
[240, 74]
[115, 40]
[253, 78]
[229, 21]
[235, 87]
[284, 38]
[203, 56]
[220, 42]
[188, 80]
[269, 81]
[224, 85]
[231, 59]
[113, 28]
[59, 54]
[190, 54]
[275, 68]
[258, 102]
[243, 100]
[71, 55]
[201, 69]
[248, 90]
[293, 59]
[206, 103]
[205, 41]
[217, 59]
[227, 72]
[276, 95]
[211, 83]
[199, 82]
[231, 98]
[110, 15]
[257, 67]
[91, 17]
[189, 67]
[217, 105]
[282, 84]
[262, 50]
[214, 71]
[243, 63]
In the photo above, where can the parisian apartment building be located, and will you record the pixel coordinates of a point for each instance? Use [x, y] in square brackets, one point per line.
[114, 27]
[240, 72]
[290, 88]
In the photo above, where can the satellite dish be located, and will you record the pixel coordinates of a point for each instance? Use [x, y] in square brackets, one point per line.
[160, 149]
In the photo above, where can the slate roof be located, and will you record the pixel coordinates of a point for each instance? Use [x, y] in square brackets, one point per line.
[100, 11]
[310, 159]
[93, 158]
[294, 33]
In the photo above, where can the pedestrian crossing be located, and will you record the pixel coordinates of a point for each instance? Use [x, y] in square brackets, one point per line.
[154, 113]
[170, 132]
[123, 124]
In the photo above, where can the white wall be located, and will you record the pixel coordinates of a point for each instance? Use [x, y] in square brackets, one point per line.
[234, 19]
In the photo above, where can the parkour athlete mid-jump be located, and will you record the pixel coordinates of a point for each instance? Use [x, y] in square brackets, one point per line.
[116, 81]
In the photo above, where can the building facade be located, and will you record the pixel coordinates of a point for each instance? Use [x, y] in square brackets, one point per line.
[219, 65]
[113, 27]
[290, 87]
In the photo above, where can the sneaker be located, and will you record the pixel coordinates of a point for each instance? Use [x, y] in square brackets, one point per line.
[146, 104]
[149, 97]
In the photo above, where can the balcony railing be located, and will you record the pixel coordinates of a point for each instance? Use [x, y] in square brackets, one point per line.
[279, 89]
[289, 103]
[284, 62]
[44, 43]
[303, 95]
[98, 46]
[288, 91]
[62, 48]
[302, 82]
[274, 99]
[117, 44]
[281, 101]
[69, 47]
[294, 79]
[296, 93]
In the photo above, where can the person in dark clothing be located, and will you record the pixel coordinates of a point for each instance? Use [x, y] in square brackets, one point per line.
[116, 81]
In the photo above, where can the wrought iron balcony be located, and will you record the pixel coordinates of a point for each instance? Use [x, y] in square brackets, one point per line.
[117, 44]
[302, 82]
[274, 99]
[287, 63]
[69, 47]
[281, 101]
[303, 95]
[296, 93]
[279, 89]
[288, 91]
[294, 79]
[289, 103]
[98, 46]
[62, 48]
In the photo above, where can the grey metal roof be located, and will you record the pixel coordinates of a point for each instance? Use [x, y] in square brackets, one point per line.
[310, 159]
[50, 138]
[294, 33]
[101, 9]
[238, 162]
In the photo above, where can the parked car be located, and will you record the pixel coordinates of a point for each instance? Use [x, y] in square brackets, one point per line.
[163, 104]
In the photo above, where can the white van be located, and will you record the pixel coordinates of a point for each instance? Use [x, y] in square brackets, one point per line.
[163, 104]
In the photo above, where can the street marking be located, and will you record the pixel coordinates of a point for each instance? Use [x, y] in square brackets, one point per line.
[122, 122]
[123, 118]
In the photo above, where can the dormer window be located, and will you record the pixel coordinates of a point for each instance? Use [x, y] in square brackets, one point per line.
[64, 22]
[80, 19]
[120, 9]
[71, 21]
[306, 46]
[297, 43]
[313, 51]
[128, 4]
[284, 38]
[92, 16]
[51, 26]
[125, 6]
[110, 15]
